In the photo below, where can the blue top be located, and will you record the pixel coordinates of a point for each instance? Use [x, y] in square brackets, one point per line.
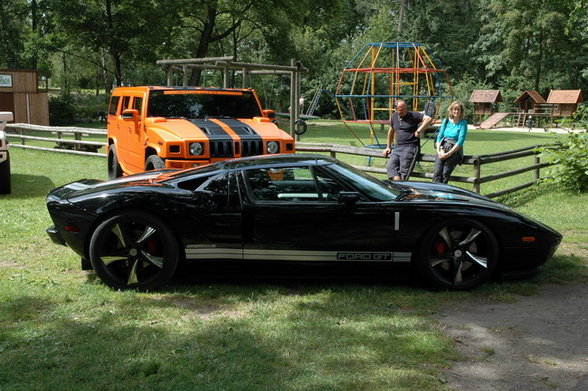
[456, 131]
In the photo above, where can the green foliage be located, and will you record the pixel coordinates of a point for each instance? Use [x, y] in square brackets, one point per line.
[570, 169]
[62, 110]
[500, 44]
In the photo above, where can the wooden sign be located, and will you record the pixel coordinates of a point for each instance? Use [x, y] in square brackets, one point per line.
[5, 80]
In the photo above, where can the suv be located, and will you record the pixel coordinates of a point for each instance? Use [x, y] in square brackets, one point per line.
[5, 182]
[181, 127]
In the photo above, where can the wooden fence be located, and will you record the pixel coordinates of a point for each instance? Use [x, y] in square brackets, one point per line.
[477, 161]
[74, 144]
[66, 139]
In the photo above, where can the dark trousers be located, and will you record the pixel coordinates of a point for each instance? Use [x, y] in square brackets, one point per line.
[444, 168]
[402, 161]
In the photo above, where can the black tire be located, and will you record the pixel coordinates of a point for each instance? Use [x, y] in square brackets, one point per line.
[458, 254]
[114, 168]
[134, 250]
[5, 179]
[300, 127]
[154, 162]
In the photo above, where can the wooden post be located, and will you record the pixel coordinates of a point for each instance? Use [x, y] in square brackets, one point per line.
[225, 77]
[245, 73]
[477, 172]
[170, 74]
[293, 99]
[184, 76]
[537, 160]
[78, 137]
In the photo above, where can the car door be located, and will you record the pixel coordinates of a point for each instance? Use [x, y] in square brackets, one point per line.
[295, 213]
[210, 217]
[135, 136]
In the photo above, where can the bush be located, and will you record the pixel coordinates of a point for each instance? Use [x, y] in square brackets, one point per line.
[571, 162]
[61, 110]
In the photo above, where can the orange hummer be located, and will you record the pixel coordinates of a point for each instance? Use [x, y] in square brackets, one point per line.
[181, 127]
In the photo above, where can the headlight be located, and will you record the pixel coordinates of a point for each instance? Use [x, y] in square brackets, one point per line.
[196, 148]
[273, 147]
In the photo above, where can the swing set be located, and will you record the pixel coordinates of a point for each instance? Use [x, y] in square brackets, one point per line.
[382, 73]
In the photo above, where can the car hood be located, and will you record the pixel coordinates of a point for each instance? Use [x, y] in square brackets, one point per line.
[88, 186]
[432, 192]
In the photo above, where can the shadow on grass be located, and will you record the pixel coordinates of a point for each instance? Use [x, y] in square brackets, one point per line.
[230, 337]
[291, 274]
[29, 186]
[524, 196]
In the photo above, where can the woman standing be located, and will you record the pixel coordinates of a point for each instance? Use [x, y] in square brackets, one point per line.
[449, 142]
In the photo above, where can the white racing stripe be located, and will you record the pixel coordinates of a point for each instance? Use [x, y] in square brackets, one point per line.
[202, 252]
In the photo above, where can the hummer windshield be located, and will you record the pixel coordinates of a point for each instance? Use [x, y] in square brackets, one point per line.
[202, 104]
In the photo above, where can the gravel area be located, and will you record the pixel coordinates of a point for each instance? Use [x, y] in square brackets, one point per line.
[536, 343]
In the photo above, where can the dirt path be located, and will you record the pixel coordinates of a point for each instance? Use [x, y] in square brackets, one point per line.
[537, 343]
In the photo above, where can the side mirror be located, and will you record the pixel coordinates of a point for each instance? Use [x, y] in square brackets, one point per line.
[130, 115]
[271, 114]
[349, 197]
[5, 116]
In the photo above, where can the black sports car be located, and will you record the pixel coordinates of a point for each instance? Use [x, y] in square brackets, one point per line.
[134, 231]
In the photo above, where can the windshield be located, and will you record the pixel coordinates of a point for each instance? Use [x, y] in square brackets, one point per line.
[374, 188]
[201, 104]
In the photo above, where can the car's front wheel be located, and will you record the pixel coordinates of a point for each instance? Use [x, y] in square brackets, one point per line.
[114, 168]
[134, 250]
[458, 254]
[154, 162]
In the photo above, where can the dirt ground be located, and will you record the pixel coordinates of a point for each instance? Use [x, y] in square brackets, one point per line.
[536, 343]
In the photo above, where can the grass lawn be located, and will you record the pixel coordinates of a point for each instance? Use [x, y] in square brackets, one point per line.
[61, 329]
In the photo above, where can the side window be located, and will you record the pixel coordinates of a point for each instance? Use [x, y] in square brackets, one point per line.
[125, 103]
[138, 104]
[113, 105]
[218, 185]
[295, 184]
[215, 184]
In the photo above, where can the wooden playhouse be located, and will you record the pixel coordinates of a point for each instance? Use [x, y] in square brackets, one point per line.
[20, 94]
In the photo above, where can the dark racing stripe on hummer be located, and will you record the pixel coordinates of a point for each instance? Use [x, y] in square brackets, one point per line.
[251, 141]
[220, 142]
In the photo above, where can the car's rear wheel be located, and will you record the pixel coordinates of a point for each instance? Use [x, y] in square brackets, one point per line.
[154, 162]
[458, 254]
[134, 250]
[114, 168]
[5, 179]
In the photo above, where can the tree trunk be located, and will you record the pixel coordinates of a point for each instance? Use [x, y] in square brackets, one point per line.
[205, 38]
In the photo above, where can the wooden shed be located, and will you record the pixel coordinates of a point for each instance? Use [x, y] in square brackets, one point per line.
[565, 102]
[20, 94]
[484, 101]
[529, 101]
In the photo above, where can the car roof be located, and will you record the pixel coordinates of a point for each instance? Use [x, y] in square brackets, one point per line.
[178, 88]
[277, 160]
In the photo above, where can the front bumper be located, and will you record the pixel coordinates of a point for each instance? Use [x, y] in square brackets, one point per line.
[55, 236]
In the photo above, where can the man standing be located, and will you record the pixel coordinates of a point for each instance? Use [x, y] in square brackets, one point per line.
[406, 126]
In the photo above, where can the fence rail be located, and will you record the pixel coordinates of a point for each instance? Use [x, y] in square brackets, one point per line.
[64, 145]
[90, 148]
[477, 161]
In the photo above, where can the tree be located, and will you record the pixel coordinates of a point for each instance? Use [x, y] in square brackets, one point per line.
[122, 30]
[528, 38]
